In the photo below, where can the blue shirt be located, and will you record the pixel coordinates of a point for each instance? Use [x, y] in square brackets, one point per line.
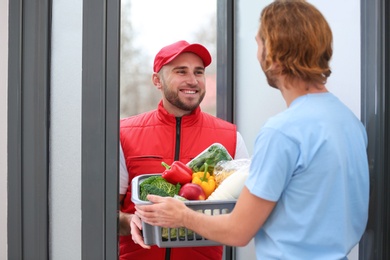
[311, 159]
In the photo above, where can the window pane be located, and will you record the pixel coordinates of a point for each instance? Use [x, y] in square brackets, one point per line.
[149, 25]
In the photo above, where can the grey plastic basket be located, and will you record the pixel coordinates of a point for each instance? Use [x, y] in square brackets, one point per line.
[179, 237]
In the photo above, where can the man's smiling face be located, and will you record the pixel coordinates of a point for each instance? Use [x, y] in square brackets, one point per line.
[183, 82]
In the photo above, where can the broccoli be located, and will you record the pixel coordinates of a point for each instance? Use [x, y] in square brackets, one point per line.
[157, 185]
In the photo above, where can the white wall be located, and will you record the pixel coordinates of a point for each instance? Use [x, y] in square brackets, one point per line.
[65, 131]
[3, 126]
[256, 101]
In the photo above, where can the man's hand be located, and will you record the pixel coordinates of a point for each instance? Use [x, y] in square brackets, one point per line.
[130, 224]
[136, 226]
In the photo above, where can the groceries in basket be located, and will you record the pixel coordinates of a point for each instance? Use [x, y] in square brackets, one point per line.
[205, 180]
[177, 172]
[222, 185]
[198, 172]
[212, 155]
[230, 177]
[157, 185]
[224, 182]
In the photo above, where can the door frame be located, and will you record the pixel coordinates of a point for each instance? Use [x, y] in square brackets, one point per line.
[28, 128]
[100, 129]
[375, 115]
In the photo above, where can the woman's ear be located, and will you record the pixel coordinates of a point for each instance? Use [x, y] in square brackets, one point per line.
[156, 80]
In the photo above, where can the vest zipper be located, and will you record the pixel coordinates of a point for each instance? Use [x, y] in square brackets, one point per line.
[177, 153]
[178, 133]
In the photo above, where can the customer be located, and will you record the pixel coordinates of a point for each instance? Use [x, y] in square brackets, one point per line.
[176, 131]
[306, 196]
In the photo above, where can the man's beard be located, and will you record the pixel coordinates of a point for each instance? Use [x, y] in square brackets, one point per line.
[272, 81]
[174, 99]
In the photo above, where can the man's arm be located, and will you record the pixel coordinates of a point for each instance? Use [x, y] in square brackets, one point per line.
[124, 220]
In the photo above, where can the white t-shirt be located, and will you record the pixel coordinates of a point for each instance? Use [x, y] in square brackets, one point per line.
[241, 153]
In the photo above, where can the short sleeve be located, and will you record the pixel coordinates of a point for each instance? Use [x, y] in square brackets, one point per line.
[241, 150]
[123, 173]
[273, 164]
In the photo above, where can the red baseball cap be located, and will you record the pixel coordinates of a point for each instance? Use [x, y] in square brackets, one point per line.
[170, 52]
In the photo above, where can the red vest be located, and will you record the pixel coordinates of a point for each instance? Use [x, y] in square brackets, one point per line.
[156, 136]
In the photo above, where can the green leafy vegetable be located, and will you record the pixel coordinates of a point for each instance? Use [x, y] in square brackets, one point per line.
[157, 185]
[213, 155]
[150, 180]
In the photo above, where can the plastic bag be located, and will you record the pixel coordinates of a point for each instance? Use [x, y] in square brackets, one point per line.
[223, 169]
[231, 176]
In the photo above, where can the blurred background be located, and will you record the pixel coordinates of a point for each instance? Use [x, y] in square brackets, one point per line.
[146, 27]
